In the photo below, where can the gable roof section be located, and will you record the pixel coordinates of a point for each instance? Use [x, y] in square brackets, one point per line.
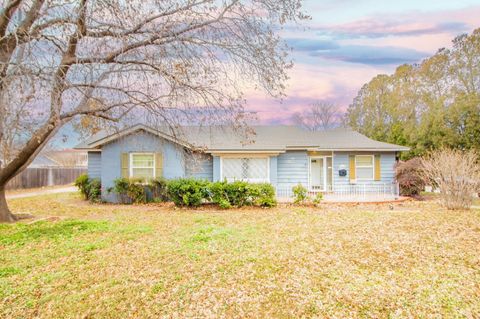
[266, 138]
[96, 141]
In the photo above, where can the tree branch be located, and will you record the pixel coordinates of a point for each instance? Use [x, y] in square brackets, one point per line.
[7, 14]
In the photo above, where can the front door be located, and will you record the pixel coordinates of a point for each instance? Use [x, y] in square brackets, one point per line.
[317, 174]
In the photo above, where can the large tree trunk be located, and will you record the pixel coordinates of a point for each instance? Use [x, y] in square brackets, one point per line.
[5, 215]
[22, 160]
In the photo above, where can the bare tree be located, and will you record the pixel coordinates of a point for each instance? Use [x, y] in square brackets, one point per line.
[105, 60]
[456, 173]
[321, 115]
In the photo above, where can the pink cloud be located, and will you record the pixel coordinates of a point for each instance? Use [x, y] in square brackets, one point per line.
[414, 23]
[315, 77]
[337, 83]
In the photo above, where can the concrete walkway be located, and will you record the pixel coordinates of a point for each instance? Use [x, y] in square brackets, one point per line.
[27, 193]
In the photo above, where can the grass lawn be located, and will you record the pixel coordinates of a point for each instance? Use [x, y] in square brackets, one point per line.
[107, 261]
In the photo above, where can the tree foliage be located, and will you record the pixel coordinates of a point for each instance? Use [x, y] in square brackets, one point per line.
[101, 61]
[427, 106]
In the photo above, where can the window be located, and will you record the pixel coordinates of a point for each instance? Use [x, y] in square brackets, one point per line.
[142, 165]
[364, 167]
[254, 170]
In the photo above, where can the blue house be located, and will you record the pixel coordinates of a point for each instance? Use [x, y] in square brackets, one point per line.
[340, 163]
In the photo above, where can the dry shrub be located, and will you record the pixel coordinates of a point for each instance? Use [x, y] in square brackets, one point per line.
[456, 173]
[409, 177]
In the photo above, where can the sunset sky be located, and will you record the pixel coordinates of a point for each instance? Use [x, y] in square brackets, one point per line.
[348, 42]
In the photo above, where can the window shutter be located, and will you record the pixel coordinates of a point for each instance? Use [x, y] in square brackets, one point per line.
[378, 172]
[158, 165]
[352, 172]
[125, 165]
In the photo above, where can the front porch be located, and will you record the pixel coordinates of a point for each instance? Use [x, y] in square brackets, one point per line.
[367, 192]
[331, 175]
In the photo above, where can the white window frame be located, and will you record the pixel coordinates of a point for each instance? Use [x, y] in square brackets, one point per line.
[373, 168]
[256, 180]
[130, 166]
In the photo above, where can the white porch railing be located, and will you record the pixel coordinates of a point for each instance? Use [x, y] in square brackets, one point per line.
[368, 192]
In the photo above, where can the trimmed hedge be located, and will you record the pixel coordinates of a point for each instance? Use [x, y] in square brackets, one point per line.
[239, 193]
[187, 192]
[263, 195]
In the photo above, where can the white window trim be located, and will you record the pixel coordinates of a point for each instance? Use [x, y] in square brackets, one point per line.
[372, 166]
[130, 166]
[222, 178]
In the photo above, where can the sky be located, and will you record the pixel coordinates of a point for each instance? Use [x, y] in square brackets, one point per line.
[348, 42]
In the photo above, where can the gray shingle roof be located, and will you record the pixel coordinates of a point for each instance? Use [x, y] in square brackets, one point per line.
[265, 138]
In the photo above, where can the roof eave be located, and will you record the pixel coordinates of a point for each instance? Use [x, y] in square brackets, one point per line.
[365, 149]
[243, 151]
[88, 149]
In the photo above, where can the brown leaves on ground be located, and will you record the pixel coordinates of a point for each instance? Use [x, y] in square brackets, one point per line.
[150, 261]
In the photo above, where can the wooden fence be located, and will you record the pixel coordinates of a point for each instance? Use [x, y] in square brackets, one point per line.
[48, 176]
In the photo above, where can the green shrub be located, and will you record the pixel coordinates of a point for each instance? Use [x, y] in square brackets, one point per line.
[241, 193]
[158, 187]
[318, 198]
[238, 193]
[91, 189]
[263, 194]
[218, 194]
[121, 188]
[300, 195]
[95, 190]
[136, 191]
[130, 190]
[188, 191]
[82, 183]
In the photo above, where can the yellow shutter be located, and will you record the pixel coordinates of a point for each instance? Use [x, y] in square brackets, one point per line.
[158, 165]
[378, 172]
[125, 165]
[352, 172]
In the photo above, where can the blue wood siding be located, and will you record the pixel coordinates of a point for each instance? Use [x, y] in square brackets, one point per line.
[341, 161]
[173, 157]
[200, 167]
[274, 170]
[292, 169]
[94, 164]
[216, 168]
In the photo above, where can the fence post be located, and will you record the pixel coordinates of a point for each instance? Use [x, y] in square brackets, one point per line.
[50, 177]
